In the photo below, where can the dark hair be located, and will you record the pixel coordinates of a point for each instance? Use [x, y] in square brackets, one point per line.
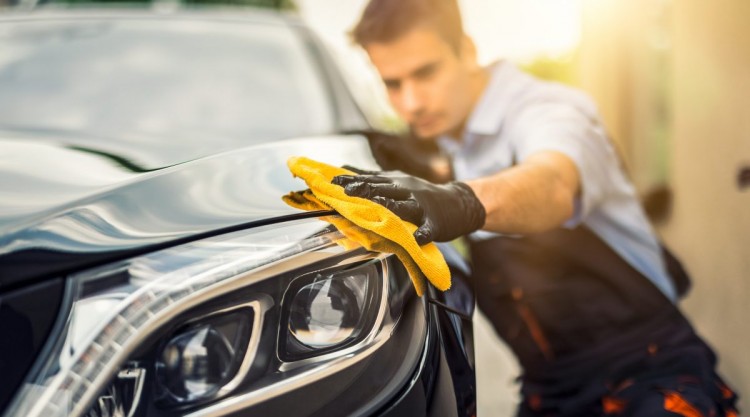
[386, 20]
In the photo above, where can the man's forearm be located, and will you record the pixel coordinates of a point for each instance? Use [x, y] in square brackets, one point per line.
[532, 197]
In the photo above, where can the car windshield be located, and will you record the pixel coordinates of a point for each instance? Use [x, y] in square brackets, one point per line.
[174, 79]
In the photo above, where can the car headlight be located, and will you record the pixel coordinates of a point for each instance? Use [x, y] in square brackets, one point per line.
[199, 360]
[326, 311]
[221, 323]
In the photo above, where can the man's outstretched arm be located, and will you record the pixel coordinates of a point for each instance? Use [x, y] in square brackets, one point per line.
[534, 196]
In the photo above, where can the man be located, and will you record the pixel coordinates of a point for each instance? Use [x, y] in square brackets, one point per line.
[567, 267]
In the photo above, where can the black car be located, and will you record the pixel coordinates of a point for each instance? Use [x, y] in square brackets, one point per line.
[148, 266]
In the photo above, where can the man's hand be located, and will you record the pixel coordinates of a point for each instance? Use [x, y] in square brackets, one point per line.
[408, 154]
[441, 212]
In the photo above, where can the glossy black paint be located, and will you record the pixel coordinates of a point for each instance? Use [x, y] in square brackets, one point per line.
[445, 382]
[460, 298]
[76, 198]
[444, 385]
[26, 318]
[86, 226]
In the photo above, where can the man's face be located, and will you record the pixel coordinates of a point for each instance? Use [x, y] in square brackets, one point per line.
[427, 82]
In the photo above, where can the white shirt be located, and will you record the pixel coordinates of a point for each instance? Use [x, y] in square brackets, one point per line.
[517, 116]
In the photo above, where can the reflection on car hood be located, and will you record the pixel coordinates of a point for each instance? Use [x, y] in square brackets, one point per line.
[65, 200]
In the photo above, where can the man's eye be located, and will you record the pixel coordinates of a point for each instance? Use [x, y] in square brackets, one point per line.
[426, 72]
[392, 84]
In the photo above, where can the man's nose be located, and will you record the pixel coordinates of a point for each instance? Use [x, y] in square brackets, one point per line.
[411, 98]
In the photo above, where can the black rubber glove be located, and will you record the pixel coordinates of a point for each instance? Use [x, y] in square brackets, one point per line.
[442, 212]
[407, 154]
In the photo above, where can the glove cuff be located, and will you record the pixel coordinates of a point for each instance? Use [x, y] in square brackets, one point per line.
[475, 212]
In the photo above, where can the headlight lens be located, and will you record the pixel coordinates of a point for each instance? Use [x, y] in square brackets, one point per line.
[207, 317]
[326, 312]
[200, 359]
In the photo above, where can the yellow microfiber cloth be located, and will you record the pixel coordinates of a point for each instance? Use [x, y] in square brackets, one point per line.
[367, 223]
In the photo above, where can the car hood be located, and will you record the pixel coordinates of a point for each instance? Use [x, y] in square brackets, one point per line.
[64, 207]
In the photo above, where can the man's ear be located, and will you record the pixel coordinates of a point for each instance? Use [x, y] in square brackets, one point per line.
[468, 54]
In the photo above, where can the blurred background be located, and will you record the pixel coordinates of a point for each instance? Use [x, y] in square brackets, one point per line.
[672, 81]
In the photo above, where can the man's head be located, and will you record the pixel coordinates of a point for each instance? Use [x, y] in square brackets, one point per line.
[426, 61]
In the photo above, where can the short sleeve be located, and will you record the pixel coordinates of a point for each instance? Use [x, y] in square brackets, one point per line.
[565, 128]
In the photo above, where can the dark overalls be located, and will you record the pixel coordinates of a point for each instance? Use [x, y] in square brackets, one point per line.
[593, 335]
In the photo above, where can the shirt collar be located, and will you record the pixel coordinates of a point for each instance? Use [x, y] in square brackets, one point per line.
[487, 116]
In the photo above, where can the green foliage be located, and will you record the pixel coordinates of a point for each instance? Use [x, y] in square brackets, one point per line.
[271, 4]
[562, 69]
